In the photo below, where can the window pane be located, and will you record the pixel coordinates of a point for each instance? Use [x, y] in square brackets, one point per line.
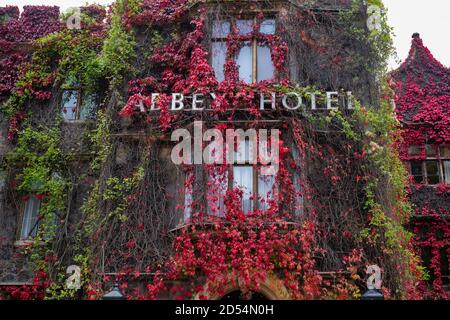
[221, 29]
[88, 107]
[431, 150]
[447, 171]
[2, 179]
[217, 188]
[188, 198]
[266, 191]
[5, 18]
[265, 65]
[30, 218]
[244, 26]
[267, 27]
[69, 104]
[245, 151]
[432, 168]
[244, 62]
[414, 150]
[243, 179]
[416, 172]
[219, 54]
[445, 151]
[297, 181]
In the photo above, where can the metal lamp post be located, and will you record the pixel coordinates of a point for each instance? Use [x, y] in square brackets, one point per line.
[114, 294]
[372, 294]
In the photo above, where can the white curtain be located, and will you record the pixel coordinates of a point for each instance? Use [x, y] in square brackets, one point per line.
[219, 54]
[265, 68]
[30, 218]
[266, 191]
[243, 179]
[447, 171]
[246, 151]
[245, 62]
[188, 199]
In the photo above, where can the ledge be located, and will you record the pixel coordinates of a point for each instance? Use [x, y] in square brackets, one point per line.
[15, 284]
[23, 243]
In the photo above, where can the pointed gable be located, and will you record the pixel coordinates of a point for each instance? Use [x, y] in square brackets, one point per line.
[421, 66]
[422, 87]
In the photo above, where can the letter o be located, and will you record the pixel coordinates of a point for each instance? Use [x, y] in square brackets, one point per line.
[299, 101]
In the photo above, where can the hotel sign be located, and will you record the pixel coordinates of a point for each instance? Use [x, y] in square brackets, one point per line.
[291, 101]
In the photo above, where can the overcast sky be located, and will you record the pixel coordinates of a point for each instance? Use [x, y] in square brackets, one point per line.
[430, 18]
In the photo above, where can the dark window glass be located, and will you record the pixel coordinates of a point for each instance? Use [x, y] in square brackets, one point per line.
[431, 150]
[432, 168]
[445, 151]
[416, 172]
[414, 150]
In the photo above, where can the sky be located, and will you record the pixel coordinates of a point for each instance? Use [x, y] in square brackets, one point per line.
[430, 18]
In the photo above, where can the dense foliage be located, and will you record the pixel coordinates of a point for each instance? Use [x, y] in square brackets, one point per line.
[124, 224]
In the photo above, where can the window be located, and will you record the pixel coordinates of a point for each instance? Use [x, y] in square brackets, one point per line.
[221, 30]
[5, 18]
[30, 219]
[299, 203]
[216, 189]
[188, 196]
[253, 59]
[77, 106]
[252, 182]
[435, 169]
[243, 179]
[432, 170]
[443, 259]
[2, 179]
[417, 172]
[414, 150]
[266, 190]
[259, 190]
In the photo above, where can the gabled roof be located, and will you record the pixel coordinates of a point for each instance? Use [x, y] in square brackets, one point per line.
[422, 87]
[420, 62]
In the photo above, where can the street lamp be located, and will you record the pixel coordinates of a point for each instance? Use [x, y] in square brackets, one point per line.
[372, 294]
[114, 294]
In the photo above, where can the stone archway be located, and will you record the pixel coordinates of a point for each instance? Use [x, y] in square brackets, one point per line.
[271, 289]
